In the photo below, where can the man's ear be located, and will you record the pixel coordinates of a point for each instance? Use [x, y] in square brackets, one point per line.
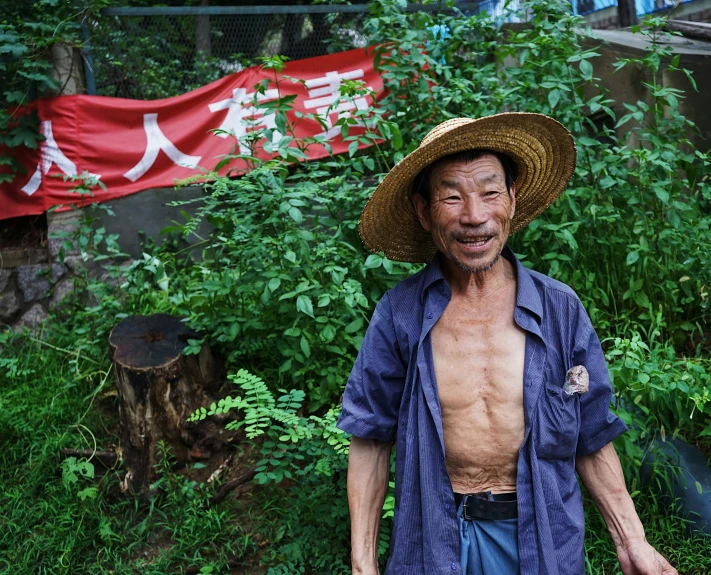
[422, 209]
[512, 195]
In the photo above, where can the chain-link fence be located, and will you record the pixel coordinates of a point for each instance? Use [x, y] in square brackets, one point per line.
[149, 53]
[163, 52]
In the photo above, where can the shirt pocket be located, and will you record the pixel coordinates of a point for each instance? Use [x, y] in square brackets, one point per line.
[557, 424]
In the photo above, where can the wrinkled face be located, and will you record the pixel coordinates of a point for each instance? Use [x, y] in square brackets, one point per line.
[470, 212]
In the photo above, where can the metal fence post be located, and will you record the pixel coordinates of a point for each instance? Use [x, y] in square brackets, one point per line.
[88, 59]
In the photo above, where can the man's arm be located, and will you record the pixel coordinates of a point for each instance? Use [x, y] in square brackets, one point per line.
[368, 470]
[601, 473]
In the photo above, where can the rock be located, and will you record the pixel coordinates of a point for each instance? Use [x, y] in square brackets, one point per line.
[34, 281]
[64, 288]
[4, 279]
[32, 319]
[9, 306]
[63, 226]
[77, 265]
[56, 271]
[111, 280]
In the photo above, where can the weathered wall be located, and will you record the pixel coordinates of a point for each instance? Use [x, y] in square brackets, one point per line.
[696, 11]
[33, 282]
[626, 85]
[144, 215]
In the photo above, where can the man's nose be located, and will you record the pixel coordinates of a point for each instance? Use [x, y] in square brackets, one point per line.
[474, 212]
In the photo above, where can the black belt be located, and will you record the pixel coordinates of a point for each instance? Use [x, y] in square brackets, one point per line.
[487, 505]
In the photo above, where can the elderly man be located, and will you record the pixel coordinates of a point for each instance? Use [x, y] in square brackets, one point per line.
[488, 376]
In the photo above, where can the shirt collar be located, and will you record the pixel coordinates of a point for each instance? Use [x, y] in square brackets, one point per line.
[527, 295]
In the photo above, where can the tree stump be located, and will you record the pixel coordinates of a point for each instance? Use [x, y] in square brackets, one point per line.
[158, 388]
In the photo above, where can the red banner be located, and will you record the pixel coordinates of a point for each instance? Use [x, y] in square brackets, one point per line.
[134, 145]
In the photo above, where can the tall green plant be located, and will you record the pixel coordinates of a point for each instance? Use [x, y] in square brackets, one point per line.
[285, 288]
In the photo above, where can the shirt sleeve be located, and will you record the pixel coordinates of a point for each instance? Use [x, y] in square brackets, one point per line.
[372, 397]
[598, 425]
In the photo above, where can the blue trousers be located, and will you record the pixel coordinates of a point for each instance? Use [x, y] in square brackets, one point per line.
[489, 547]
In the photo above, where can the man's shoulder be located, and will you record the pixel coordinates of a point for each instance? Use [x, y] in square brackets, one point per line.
[408, 291]
[549, 287]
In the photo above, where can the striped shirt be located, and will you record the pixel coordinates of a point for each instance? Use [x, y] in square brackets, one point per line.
[391, 395]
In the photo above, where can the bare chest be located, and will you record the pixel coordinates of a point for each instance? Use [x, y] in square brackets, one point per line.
[479, 362]
[478, 357]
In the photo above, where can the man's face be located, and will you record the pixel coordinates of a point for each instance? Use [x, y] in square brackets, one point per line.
[470, 211]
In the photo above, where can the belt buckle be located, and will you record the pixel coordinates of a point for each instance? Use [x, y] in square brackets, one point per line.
[485, 495]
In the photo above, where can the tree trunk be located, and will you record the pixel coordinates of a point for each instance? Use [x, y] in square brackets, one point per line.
[203, 43]
[68, 69]
[626, 13]
[158, 388]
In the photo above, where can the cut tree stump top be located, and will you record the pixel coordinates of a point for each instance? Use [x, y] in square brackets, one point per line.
[149, 341]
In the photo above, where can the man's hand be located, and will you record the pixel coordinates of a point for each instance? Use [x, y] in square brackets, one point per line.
[640, 558]
[601, 473]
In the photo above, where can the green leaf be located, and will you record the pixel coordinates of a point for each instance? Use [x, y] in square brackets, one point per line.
[373, 261]
[304, 305]
[623, 120]
[553, 98]
[632, 257]
[305, 347]
[663, 195]
[274, 284]
[352, 148]
[295, 214]
[642, 300]
[354, 326]
[397, 137]
[328, 333]
[586, 69]
[291, 256]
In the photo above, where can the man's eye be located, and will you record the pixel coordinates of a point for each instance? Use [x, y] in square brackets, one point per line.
[491, 194]
[452, 199]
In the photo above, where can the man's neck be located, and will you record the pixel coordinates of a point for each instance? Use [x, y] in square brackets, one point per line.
[479, 285]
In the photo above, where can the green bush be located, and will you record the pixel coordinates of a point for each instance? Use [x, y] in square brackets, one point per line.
[284, 288]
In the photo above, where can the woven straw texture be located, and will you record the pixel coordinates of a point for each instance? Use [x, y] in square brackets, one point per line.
[541, 147]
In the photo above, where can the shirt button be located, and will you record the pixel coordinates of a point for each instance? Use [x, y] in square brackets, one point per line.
[454, 566]
[429, 316]
[446, 506]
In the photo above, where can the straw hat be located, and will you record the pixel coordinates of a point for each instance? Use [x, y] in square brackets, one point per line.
[541, 147]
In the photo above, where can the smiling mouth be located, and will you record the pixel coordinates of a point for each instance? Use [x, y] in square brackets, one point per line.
[475, 242]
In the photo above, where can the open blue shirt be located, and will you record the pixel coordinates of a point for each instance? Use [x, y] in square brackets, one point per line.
[391, 395]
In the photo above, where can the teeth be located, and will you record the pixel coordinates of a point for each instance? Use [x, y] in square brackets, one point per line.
[475, 243]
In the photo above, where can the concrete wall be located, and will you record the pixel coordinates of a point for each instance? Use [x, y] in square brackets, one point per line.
[142, 216]
[696, 11]
[34, 283]
[626, 85]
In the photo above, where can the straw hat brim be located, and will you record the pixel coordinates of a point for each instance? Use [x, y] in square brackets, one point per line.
[541, 147]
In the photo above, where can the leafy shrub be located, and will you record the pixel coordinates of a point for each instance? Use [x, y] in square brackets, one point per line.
[284, 287]
[309, 454]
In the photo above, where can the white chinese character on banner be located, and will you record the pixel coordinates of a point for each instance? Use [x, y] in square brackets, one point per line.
[325, 91]
[156, 141]
[241, 114]
[50, 154]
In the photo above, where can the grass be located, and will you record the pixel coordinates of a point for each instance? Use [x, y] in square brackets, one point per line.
[53, 397]
[46, 404]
